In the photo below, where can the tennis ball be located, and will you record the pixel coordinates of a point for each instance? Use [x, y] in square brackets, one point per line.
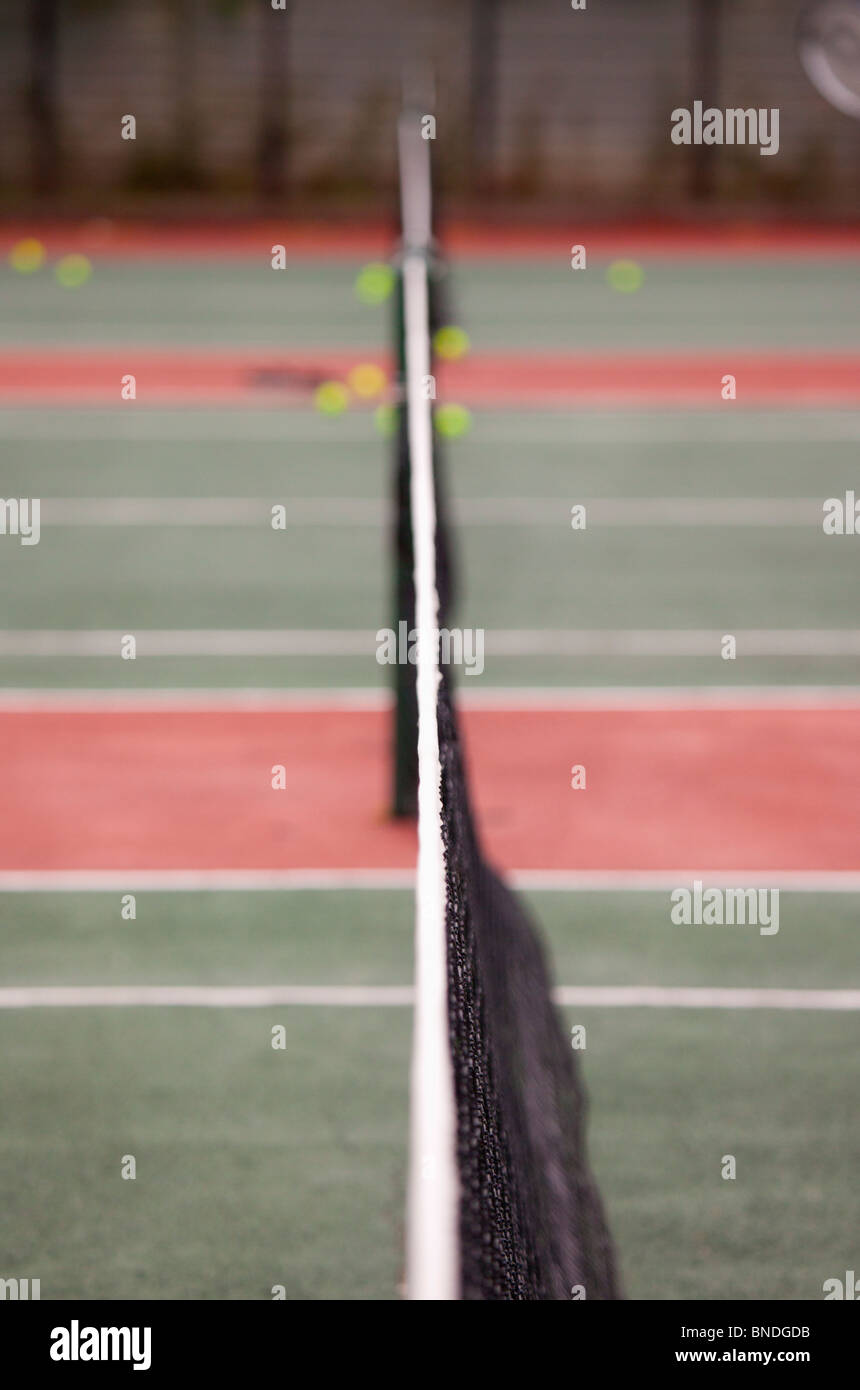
[367, 379]
[385, 419]
[450, 342]
[331, 398]
[72, 271]
[374, 283]
[27, 255]
[625, 276]
[452, 420]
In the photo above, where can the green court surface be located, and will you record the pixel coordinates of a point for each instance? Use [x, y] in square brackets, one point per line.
[258, 1167]
[505, 306]
[126, 569]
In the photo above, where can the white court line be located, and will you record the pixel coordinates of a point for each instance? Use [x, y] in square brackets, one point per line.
[191, 642]
[751, 642]
[252, 512]
[627, 425]
[401, 996]
[608, 697]
[347, 699]
[684, 997]
[653, 512]
[200, 700]
[216, 511]
[133, 880]
[672, 642]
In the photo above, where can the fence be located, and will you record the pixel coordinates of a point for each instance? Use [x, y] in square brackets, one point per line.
[537, 104]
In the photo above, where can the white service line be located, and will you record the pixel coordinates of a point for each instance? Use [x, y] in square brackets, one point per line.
[197, 700]
[561, 642]
[694, 997]
[273, 424]
[203, 880]
[348, 699]
[134, 880]
[652, 512]
[472, 511]
[672, 642]
[214, 511]
[657, 697]
[190, 642]
[402, 996]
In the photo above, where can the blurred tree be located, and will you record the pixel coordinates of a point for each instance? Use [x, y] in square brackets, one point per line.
[42, 97]
[706, 31]
[483, 80]
[272, 151]
[186, 153]
[272, 87]
[182, 167]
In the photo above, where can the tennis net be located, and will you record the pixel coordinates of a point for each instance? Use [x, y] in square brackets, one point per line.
[502, 1204]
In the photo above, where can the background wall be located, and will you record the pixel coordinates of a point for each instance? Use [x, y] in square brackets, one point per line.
[236, 102]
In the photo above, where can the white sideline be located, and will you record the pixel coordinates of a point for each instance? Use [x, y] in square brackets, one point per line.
[133, 880]
[335, 642]
[748, 512]
[579, 425]
[401, 996]
[346, 699]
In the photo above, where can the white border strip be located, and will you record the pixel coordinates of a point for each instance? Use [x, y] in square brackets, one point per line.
[133, 880]
[348, 699]
[269, 423]
[432, 1246]
[353, 698]
[252, 512]
[203, 880]
[362, 642]
[403, 996]
[197, 700]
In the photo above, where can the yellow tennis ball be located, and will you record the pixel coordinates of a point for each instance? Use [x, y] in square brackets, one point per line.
[27, 255]
[452, 420]
[385, 419]
[367, 380]
[625, 276]
[331, 398]
[450, 342]
[374, 282]
[73, 271]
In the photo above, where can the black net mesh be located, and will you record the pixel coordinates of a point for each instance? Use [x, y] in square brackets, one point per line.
[531, 1220]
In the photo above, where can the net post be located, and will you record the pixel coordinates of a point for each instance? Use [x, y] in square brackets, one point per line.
[405, 762]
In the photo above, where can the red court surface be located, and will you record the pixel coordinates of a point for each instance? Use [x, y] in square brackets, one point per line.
[256, 376]
[683, 789]
[125, 239]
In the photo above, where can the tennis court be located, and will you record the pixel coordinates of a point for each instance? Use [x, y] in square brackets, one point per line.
[260, 1166]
